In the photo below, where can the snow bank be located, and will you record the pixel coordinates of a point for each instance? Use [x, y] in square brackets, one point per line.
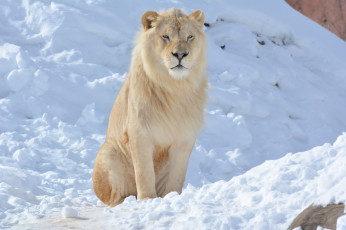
[266, 197]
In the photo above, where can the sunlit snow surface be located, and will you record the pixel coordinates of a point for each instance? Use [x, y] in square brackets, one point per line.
[277, 98]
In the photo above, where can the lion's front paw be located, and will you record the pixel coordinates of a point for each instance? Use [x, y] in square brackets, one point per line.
[146, 196]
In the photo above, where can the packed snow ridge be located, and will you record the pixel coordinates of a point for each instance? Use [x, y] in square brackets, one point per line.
[273, 141]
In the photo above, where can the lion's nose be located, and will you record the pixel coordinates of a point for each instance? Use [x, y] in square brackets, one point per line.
[180, 56]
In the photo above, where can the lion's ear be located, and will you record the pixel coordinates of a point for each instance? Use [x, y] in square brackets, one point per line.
[198, 15]
[148, 18]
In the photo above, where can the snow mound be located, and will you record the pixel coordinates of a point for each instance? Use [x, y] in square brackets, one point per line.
[69, 212]
[266, 197]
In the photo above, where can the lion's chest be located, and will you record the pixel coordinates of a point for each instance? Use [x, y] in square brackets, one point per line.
[170, 111]
[176, 120]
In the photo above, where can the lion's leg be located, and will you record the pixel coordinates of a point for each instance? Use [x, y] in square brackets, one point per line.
[112, 177]
[142, 156]
[179, 155]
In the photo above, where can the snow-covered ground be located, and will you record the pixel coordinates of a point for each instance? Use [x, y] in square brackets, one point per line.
[273, 142]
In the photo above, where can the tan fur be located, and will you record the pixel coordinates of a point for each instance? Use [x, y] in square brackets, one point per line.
[158, 113]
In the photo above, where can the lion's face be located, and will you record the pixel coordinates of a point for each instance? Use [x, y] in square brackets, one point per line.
[177, 40]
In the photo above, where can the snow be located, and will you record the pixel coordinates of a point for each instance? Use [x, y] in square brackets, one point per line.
[69, 212]
[341, 223]
[274, 139]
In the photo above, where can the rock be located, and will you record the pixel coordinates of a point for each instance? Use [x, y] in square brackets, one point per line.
[315, 216]
[330, 14]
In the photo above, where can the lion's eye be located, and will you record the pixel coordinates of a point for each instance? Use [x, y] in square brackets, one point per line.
[190, 38]
[165, 37]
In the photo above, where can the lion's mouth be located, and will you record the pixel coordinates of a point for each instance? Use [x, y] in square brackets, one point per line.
[179, 66]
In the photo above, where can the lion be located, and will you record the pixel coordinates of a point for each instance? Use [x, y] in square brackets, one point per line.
[158, 112]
